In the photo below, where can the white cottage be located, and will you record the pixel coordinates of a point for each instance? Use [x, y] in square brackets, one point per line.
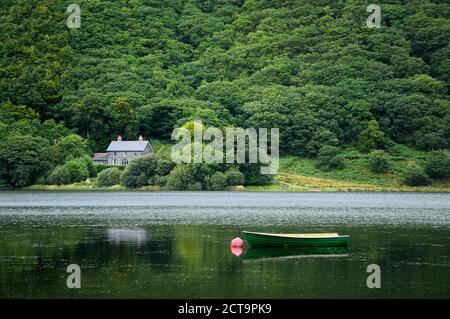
[122, 152]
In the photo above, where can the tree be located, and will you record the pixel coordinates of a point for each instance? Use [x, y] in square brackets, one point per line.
[226, 93]
[90, 166]
[372, 137]
[310, 68]
[328, 158]
[71, 146]
[76, 170]
[234, 177]
[23, 159]
[123, 118]
[431, 141]
[378, 161]
[322, 137]
[181, 179]
[88, 115]
[164, 166]
[253, 176]
[109, 177]
[437, 164]
[217, 181]
[415, 175]
[59, 176]
[139, 171]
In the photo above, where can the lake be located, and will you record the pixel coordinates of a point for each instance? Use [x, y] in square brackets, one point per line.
[176, 244]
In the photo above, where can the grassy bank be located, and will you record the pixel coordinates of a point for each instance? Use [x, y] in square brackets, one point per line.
[299, 174]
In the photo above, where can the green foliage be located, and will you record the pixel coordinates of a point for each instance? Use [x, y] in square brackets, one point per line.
[310, 68]
[72, 171]
[164, 166]
[109, 177]
[328, 158]
[76, 170]
[432, 141]
[101, 168]
[415, 175]
[253, 176]
[59, 176]
[139, 171]
[71, 146]
[321, 138]
[437, 164]
[23, 159]
[90, 166]
[372, 137]
[181, 179]
[378, 161]
[234, 177]
[216, 182]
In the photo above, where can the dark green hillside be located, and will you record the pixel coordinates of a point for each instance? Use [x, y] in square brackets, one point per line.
[309, 67]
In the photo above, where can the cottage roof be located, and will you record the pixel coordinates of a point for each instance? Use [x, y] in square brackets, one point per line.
[100, 157]
[127, 146]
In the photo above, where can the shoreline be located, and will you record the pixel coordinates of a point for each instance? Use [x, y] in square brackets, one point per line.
[283, 182]
[266, 188]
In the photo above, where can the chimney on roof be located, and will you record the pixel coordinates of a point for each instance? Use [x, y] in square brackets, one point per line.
[119, 138]
[141, 139]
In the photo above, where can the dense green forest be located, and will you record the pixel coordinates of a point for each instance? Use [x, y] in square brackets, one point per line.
[311, 68]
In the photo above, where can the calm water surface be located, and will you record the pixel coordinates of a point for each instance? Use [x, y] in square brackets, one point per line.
[176, 245]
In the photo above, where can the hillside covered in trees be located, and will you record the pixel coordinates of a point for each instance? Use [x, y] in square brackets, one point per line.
[311, 68]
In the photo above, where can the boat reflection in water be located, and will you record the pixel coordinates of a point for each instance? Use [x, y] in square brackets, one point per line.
[237, 251]
[118, 236]
[280, 253]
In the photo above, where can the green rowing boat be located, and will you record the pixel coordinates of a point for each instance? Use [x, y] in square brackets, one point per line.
[310, 240]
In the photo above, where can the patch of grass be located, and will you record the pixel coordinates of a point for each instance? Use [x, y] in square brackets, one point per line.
[299, 173]
[355, 171]
[72, 187]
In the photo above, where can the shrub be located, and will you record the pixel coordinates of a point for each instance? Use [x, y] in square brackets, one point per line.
[253, 176]
[72, 171]
[181, 178]
[77, 170]
[372, 137]
[217, 181]
[321, 137]
[164, 166]
[71, 146]
[139, 172]
[378, 161]
[431, 141]
[109, 177]
[23, 159]
[437, 164]
[58, 176]
[234, 177]
[87, 160]
[416, 176]
[328, 158]
[159, 180]
[99, 167]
